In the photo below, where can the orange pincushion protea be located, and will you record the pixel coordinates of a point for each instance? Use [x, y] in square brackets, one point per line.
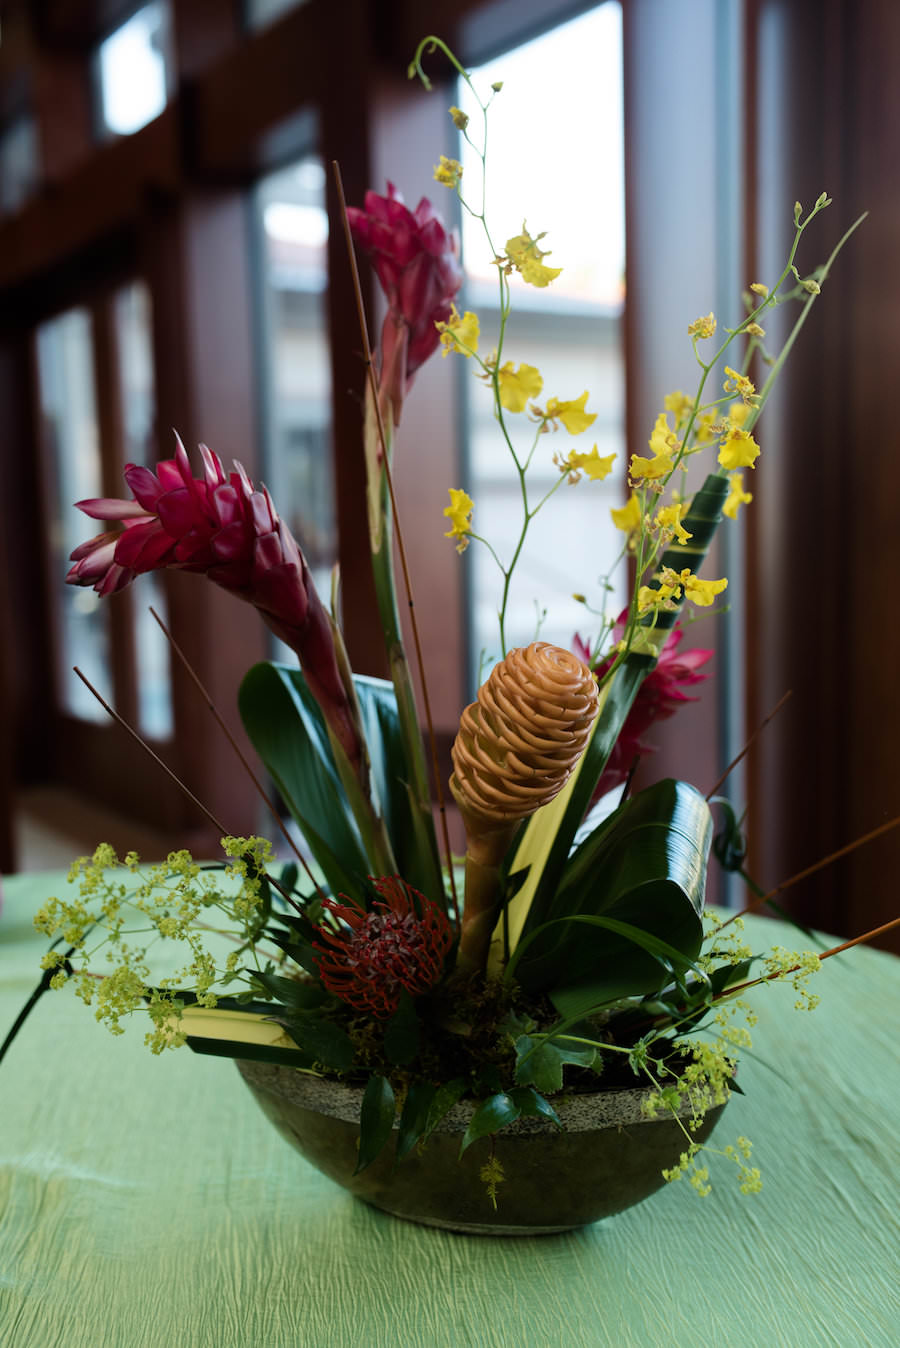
[399, 944]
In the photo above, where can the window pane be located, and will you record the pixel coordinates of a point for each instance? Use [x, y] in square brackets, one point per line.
[572, 186]
[66, 376]
[261, 12]
[152, 657]
[18, 163]
[133, 71]
[293, 230]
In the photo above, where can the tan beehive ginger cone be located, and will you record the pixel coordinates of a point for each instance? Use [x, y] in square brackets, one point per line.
[515, 750]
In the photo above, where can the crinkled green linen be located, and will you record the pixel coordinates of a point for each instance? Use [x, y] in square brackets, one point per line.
[146, 1201]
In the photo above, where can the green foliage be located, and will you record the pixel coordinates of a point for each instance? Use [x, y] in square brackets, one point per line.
[625, 917]
[300, 996]
[401, 1039]
[327, 1042]
[540, 1062]
[376, 1120]
[288, 731]
[414, 1118]
[494, 1113]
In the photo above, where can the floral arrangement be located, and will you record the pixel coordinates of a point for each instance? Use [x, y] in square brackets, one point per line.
[578, 954]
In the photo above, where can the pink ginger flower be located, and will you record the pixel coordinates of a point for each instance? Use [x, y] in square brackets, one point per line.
[400, 943]
[417, 262]
[658, 697]
[231, 532]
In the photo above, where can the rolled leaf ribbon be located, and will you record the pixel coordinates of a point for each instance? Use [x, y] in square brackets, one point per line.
[515, 750]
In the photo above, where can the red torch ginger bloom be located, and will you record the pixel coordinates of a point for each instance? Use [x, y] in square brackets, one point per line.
[400, 943]
[658, 697]
[231, 532]
[417, 262]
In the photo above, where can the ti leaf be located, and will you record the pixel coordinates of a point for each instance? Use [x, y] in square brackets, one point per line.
[376, 1120]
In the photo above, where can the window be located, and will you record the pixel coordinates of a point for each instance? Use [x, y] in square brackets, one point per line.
[18, 163]
[132, 71]
[139, 445]
[561, 155]
[262, 12]
[296, 381]
[69, 415]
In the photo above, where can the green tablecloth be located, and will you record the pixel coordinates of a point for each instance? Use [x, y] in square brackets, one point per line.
[147, 1201]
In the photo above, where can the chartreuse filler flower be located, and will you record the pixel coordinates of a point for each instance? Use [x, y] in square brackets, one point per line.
[581, 955]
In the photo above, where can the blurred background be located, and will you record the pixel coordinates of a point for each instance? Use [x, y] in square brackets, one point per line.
[166, 262]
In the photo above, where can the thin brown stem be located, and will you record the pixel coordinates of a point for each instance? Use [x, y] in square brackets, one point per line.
[811, 870]
[401, 550]
[734, 762]
[216, 823]
[270, 804]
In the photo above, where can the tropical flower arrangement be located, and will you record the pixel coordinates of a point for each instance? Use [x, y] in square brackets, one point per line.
[569, 950]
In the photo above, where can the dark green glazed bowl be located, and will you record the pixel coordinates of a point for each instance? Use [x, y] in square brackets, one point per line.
[607, 1158]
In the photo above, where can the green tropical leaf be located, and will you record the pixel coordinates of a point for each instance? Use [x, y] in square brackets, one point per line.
[491, 1115]
[411, 831]
[376, 1120]
[549, 837]
[644, 872]
[414, 1119]
[288, 732]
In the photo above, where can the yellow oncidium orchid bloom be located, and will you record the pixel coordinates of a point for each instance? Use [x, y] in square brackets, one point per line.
[650, 469]
[738, 450]
[447, 172]
[670, 517]
[679, 404]
[738, 383]
[571, 414]
[704, 431]
[593, 465]
[650, 597]
[627, 517]
[738, 414]
[460, 333]
[703, 327]
[701, 592]
[458, 512]
[525, 256]
[517, 386]
[736, 496]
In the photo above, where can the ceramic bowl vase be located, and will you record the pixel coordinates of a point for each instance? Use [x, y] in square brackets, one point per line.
[608, 1156]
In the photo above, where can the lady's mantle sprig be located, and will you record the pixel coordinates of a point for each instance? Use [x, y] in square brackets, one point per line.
[125, 911]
